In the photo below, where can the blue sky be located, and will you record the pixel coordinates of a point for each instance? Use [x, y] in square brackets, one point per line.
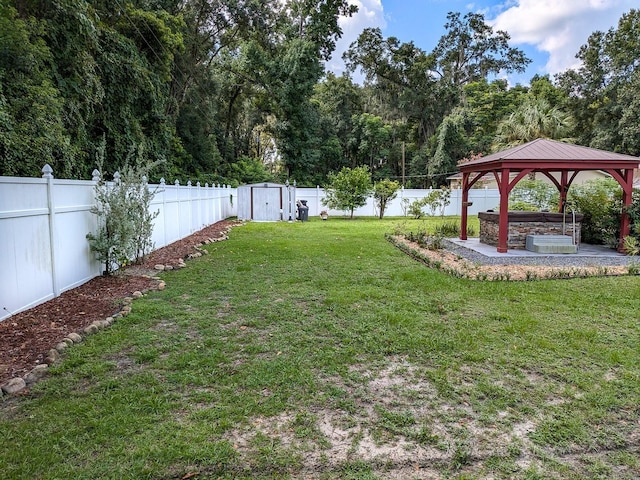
[550, 32]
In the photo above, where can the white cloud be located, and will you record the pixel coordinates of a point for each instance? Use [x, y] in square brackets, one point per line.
[370, 15]
[559, 27]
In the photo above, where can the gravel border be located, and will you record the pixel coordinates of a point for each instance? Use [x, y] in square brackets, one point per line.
[542, 260]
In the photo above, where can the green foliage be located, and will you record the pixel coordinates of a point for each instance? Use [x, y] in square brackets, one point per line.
[125, 222]
[248, 170]
[470, 50]
[532, 195]
[204, 86]
[348, 189]
[436, 200]
[415, 208]
[31, 128]
[603, 91]
[451, 229]
[631, 245]
[486, 104]
[384, 191]
[535, 118]
[339, 100]
[451, 146]
[599, 202]
[368, 142]
[113, 242]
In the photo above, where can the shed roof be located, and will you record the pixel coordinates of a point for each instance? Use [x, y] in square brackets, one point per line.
[544, 153]
[263, 185]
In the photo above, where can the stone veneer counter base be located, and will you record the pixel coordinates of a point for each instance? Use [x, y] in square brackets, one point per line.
[522, 224]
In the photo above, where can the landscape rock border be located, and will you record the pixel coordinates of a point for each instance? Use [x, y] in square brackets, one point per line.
[18, 385]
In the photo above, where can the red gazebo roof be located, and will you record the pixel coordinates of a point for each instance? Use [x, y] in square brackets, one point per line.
[551, 155]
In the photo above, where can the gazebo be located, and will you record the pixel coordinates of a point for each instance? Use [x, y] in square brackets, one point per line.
[547, 157]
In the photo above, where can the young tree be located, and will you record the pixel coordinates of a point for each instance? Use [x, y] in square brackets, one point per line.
[437, 199]
[125, 220]
[348, 189]
[384, 191]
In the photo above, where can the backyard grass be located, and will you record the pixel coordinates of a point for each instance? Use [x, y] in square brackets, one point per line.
[319, 350]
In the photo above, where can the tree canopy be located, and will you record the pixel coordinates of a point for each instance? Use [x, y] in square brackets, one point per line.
[230, 91]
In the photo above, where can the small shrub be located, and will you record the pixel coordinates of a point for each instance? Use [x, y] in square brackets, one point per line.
[436, 242]
[415, 208]
[125, 222]
[599, 202]
[448, 229]
[631, 245]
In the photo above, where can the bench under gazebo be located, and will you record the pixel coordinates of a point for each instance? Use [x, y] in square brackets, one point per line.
[559, 162]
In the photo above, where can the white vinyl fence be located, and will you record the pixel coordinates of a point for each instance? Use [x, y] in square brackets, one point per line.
[44, 222]
[483, 200]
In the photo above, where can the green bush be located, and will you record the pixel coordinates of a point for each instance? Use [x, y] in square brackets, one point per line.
[533, 195]
[599, 201]
[125, 223]
[451, 228]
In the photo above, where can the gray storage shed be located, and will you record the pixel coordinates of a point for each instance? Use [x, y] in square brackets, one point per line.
[267, 202]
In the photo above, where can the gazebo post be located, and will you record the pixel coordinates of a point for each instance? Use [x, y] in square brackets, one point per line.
[563, 190]
[503, 227]
[465, 206]
[627, 198]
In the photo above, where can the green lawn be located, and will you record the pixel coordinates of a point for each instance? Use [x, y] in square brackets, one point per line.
[319, 350]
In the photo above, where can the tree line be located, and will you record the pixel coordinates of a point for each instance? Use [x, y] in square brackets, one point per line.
[235, 91]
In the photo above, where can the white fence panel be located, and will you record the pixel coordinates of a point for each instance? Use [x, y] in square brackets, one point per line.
[44, 222]
[74, 262]
[483, 200]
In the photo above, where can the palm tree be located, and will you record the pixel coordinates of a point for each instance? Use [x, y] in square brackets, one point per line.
[535, 118]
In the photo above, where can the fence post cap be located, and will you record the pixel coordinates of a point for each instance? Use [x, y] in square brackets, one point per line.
[47, 171]
[95, 175]
[163, 181]
[177, 183]
[116, 177]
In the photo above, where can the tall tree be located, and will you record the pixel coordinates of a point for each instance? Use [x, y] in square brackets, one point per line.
[602, 90]
[471, 51]
[338, 99]
[402, 80]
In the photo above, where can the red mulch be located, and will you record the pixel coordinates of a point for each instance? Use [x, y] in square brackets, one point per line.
[27, 336]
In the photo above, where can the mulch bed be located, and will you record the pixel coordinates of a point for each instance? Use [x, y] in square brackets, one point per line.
[28, 336]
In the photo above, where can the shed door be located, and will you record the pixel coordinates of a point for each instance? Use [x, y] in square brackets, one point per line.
[266, 204]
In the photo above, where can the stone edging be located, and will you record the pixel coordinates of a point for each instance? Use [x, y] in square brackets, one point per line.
[18, 384]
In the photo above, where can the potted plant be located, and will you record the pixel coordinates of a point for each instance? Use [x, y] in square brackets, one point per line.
[324, 215]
